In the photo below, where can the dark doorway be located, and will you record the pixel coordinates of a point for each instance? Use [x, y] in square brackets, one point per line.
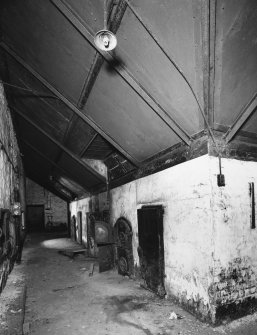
[79, 222]
[35, 218]
[73, 228]
[151, 248]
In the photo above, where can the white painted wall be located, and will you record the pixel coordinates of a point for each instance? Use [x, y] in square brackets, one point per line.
[206, 227]
[184, 191]
[87, 205]
[235, 252]
[232, 211]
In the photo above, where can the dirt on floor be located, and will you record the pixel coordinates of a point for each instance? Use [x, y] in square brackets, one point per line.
[63, 299]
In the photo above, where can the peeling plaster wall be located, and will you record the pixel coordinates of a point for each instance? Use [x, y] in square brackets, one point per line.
[235, 252]
[185, 192]
[91, 204]
[210, 248]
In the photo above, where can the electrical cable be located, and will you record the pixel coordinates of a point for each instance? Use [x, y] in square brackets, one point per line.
[180, 72]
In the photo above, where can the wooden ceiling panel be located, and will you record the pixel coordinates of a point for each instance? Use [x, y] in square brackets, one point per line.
[80, 135]
[236, 58]
[40, 34]
[37, 113]
[32, 87]
[251, 124]
[90, 11]
[176, 26]
[35, 163]
[35, 101]
[121, 113]
[29, 134]
[98, 149]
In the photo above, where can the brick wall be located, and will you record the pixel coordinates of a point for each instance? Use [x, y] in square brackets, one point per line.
[54, 206]
[234, 283]
[11, 184]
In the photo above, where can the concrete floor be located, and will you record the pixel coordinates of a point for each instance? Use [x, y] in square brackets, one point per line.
[62, 299]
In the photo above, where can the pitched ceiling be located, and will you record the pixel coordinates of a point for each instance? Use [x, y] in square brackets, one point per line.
[73, 103]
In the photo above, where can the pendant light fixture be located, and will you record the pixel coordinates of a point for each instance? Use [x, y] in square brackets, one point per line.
[104, 39]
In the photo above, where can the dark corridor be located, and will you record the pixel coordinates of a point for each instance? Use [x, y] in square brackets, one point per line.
[35, 218]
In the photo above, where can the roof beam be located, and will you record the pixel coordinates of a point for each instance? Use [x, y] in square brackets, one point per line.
[68, 103]
[98, 59]
[208, 22]
[64, 171]
[212, 37]
[58, 144]
[247, 111]
[85, 31]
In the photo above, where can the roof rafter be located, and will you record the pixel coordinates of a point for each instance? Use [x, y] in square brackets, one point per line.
[85, 31]
[65, 171]
[208, 22]
[68, 103]
[246, 112]
[58, 144]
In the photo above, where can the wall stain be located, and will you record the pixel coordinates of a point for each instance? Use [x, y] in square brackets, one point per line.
[233, 291]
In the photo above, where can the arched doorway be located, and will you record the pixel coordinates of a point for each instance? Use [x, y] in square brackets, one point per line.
[124, 252]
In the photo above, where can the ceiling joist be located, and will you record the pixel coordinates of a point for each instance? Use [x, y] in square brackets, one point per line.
[247, 111]
[85, 31]
[58, 144]
[68, 103]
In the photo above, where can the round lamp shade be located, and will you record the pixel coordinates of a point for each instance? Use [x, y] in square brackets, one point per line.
[105, 40]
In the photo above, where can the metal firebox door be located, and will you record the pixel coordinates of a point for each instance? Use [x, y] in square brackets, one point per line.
[151, 247]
